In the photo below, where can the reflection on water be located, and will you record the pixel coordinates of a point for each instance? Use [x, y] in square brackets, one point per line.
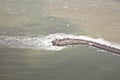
[23, 21]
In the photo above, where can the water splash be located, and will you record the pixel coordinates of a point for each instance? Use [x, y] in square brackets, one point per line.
[39, 43]
[44, 42]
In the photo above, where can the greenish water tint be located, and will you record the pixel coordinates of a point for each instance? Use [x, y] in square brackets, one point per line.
[79, 63]
[26, 18]
[40, 26]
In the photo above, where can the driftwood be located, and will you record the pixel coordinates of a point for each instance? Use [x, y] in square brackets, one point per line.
[70, 41]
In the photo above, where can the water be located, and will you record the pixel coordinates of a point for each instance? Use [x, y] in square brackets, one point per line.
[45, 42]
[26, 51]
[97, 17]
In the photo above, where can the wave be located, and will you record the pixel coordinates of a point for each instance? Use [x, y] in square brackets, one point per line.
[44, 42]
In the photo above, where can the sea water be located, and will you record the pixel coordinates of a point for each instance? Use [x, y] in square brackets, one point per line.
[26, 51]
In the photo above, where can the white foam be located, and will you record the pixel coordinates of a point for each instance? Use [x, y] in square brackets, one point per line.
[39, 43]
[44, 42]
[98, 40]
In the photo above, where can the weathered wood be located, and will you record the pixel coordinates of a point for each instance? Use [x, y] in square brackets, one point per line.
[70, 41]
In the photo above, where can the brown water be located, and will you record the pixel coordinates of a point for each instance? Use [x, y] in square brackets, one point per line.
[98, 17]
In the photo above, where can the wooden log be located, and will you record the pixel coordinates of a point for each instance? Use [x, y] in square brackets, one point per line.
[70, 41]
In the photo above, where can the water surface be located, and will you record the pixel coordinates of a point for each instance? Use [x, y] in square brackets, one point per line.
[100, 18]
[26, 52]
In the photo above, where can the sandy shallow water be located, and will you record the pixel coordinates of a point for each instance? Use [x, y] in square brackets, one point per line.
[100, 18]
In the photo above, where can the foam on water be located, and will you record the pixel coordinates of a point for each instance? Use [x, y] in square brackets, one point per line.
[44, 42]
[39, 43]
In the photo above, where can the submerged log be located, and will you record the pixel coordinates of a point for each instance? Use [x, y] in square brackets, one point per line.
[70, 41]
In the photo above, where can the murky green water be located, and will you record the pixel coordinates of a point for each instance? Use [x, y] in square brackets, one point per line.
[26, 19]
[74, 63]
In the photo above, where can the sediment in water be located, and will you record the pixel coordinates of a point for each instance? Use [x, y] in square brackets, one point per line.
[71, 41]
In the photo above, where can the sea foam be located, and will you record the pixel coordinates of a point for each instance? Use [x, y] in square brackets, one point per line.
[44, 42]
